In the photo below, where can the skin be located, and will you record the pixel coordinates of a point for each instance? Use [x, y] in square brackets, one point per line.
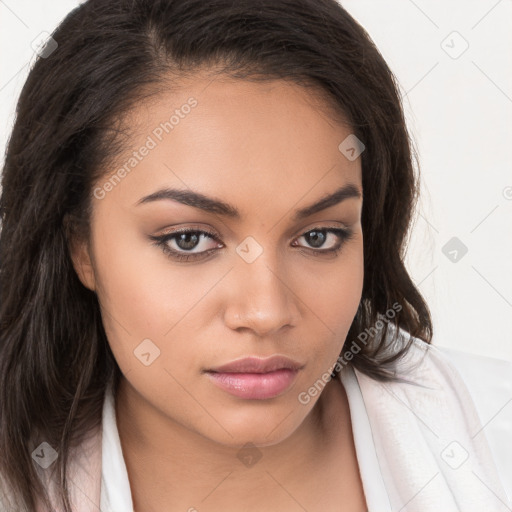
[268, 149]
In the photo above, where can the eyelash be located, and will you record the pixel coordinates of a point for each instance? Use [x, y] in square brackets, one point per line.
[344, 235]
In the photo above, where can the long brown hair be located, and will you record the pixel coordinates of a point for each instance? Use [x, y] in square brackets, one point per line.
[55, 359]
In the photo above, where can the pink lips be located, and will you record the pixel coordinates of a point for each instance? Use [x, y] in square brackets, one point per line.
[255, 378]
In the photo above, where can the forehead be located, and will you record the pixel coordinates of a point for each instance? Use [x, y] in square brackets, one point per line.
[261, 141]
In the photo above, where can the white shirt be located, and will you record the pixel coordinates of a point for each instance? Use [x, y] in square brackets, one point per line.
[489, 382]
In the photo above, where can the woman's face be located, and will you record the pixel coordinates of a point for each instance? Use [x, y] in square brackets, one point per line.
[260, 282]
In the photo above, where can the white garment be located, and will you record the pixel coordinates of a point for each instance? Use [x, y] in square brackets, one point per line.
[419, 449]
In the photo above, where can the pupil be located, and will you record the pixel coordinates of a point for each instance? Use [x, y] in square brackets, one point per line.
[316, 238]
[190, 240]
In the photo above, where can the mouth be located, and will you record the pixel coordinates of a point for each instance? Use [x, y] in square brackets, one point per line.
[255, 364]
[254, 386]
[256, 378]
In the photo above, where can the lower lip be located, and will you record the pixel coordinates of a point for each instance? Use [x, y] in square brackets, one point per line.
[256, 386]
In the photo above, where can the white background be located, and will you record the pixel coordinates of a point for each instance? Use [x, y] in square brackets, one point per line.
[458, 107]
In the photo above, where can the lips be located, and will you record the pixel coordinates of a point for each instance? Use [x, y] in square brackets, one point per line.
[253, 378]
[258, 365]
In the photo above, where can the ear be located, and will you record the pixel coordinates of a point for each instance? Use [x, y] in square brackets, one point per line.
[80, 253]
[82, 264]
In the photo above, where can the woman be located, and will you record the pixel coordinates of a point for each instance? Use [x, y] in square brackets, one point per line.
[200, 311]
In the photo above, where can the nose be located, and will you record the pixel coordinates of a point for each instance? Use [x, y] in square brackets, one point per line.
[261, 298]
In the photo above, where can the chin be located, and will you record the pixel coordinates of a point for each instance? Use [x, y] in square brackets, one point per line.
[258, 428]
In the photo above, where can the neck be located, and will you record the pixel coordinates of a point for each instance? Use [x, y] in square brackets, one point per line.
[156, 447]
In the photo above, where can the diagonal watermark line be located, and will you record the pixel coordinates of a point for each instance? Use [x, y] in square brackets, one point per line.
[484, 218]
[3, 3]
[424, 14]
[489, 421]
[103, 308]
[165, 165]
[199, 403]
[421, 79]
[417, 284]
[491, 285]
[285, 490]
[419, 491]
[408, 407]
[13, 77]
[492, 81]
[85, 494]
[492, 8]
[332, 332]
[206, 86]
[506, 505]
[216, 487]
[279, 423]
[196, 303]
[302, 197]
[429, 223]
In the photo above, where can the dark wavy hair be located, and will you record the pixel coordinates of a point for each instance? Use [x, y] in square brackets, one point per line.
[55, 360]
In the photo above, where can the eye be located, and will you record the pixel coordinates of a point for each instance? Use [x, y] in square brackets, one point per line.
[181, 244]
[189, 244]
[334, 238]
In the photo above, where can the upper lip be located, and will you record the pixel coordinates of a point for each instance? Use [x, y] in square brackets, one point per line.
[257, 365]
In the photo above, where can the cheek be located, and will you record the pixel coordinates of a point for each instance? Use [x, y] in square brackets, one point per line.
[332, 294]
[145, 296]
[333, 289]
[139, 283]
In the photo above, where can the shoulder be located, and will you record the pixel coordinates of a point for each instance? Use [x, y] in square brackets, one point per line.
[488, 379]
[482, 374]
[449, 412]
[481, 384]
[489, 382]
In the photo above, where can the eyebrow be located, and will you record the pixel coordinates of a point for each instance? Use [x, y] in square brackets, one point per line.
[218, 207]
